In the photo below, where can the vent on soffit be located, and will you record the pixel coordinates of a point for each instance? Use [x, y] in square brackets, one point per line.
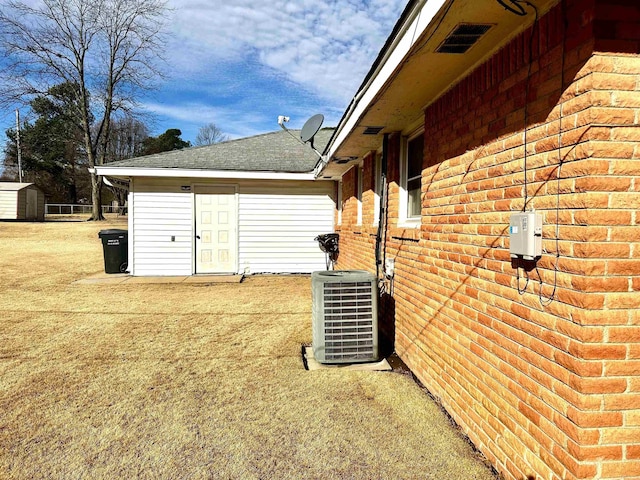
[463, 37]
[343, 160]
[372, 130]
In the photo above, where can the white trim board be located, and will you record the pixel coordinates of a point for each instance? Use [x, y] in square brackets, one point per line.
[184, 173]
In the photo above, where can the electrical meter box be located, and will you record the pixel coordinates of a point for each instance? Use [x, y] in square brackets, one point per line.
[525, 235]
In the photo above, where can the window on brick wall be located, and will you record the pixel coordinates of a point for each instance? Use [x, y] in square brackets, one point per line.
[359, 174]
[377, 188]
[410, 201]
[339, 202]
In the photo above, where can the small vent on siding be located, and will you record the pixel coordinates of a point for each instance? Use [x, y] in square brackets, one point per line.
[463, 37]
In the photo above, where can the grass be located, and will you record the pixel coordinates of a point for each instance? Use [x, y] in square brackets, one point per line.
[189, 381]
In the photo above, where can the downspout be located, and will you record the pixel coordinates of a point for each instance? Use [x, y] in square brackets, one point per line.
[130, 225]
[322, 163]
[382, 221]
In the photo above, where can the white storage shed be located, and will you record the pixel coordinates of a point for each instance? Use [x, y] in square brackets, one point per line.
[21, 201]
[244, 206]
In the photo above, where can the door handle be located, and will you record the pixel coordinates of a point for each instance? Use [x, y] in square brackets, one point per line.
[198, 237]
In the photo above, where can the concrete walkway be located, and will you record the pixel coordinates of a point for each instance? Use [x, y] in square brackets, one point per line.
[124, 278]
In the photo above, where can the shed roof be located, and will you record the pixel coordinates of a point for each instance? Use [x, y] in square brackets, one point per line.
[269, 152]
[13, 186]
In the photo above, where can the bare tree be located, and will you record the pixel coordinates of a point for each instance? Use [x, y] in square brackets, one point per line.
[210, 134]
[109, 49]
[127, 139]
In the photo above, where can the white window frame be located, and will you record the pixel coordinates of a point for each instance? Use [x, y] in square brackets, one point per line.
[377, 189]
[404, 219]
[339, 201]
[359, 182]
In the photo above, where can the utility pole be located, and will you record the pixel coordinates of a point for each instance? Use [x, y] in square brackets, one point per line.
[18, 145]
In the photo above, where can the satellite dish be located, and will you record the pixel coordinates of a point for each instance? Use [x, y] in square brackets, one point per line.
[310, 128]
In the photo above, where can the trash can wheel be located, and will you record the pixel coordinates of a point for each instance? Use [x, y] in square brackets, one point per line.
[123, 267]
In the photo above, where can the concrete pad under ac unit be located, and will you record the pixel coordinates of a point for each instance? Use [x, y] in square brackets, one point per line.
[312, 364]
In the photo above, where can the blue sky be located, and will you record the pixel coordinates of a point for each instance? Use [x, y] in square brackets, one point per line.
[241, 63]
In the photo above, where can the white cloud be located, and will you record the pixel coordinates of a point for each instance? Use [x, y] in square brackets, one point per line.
[241, 63]
[325, 47]
[192, 115]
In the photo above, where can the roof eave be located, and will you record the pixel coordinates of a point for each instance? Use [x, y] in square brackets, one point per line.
[128, 172]
[409, 74]
[419, 15]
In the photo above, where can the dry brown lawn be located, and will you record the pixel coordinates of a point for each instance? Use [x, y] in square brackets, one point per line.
[189, 381]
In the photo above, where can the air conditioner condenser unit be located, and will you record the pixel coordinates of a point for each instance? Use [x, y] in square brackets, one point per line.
[345, 316]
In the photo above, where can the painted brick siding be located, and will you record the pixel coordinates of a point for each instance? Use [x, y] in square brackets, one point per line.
[545, 389]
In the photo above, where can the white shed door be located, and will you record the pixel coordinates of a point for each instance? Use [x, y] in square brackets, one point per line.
[216, 230]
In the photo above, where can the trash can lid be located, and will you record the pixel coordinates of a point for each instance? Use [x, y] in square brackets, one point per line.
[112, 231]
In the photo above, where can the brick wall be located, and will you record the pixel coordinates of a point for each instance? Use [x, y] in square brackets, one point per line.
[545, 389]
[368, 189]
[361, 237]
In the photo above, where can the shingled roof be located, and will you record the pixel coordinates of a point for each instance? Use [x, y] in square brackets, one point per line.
[270, 152]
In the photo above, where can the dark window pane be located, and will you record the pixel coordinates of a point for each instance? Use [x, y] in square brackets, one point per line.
[415, 155]
[413, 191]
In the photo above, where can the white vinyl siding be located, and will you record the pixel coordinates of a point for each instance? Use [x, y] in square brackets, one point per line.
[157, 217]
[277, 224]
[9, 205]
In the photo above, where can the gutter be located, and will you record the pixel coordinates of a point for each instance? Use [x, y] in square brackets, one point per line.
[184, 173]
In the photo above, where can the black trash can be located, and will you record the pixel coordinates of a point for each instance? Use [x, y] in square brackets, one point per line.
[115, 248]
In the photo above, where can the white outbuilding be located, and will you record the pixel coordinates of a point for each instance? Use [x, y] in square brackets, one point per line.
[21, 201]
[244, 206]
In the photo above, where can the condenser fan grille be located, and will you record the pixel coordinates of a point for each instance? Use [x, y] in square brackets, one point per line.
[348, 321]
[345, 319]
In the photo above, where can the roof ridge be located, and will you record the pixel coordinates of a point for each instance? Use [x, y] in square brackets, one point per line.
[270, 151]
